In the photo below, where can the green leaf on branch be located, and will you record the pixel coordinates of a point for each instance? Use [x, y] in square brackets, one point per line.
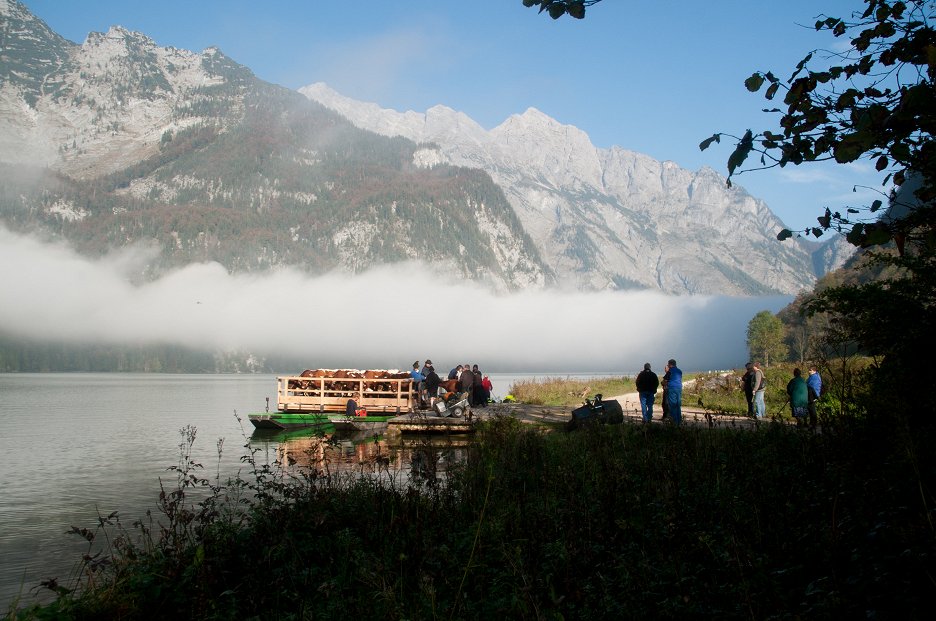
[855, 236]
[705, 144]
[576, 10]
[797, 90]
[754, 82]
[800, 65]
[877, 236]
[850, 148]
[741, 152]
[846, 99]
[784, 234]
[900, 152]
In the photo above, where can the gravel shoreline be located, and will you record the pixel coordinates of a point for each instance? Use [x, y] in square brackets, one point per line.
[630, 403]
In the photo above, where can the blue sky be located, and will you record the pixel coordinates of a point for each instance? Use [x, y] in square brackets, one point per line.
[653, 76]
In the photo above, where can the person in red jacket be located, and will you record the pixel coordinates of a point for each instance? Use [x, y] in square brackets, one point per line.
[488, 387]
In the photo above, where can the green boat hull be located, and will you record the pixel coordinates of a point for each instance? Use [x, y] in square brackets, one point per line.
[285, 421]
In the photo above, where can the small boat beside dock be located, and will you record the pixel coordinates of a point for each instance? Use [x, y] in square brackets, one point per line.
[371, 422]
[287, 421]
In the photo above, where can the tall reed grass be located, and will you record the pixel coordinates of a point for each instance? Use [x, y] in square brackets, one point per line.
[567, 391]
[621, 521]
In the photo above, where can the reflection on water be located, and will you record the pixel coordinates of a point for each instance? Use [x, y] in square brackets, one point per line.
[419, 459]
[76, 446]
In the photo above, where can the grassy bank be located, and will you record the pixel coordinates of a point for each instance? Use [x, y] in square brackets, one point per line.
[565, 391]
[720, 392]
[616, 522]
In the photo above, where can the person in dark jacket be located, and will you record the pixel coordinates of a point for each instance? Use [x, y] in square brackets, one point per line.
[466, 380]
[423, 390]
[747, 384]
[799, 397]
[352, 408]
[647, 384]
[432, 384]
[477, 389]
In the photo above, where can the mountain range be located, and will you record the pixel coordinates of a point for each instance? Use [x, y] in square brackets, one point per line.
[117, 141]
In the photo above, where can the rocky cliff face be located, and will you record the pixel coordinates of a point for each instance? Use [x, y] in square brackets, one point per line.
[132, 141]
[117, 141]
[608, 218]
[91, 109]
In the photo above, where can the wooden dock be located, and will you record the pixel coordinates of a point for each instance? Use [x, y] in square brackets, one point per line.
[425, 421]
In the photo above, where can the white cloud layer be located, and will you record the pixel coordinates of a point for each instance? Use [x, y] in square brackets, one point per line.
[384, 318]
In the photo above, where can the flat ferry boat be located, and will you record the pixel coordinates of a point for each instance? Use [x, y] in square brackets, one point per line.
[320, 398]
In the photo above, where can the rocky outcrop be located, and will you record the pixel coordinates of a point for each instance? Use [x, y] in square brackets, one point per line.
[607, 218]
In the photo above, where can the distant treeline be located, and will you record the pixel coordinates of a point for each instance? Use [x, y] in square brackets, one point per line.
[19, 355]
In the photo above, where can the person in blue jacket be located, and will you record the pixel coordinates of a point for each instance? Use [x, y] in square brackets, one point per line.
[416, 375]
[674, 392]
[814, 388]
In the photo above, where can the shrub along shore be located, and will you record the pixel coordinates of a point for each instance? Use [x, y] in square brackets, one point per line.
[625, 521]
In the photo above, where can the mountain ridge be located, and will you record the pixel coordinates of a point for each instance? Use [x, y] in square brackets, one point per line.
[632, 202]
[132, 142]
[139, 143]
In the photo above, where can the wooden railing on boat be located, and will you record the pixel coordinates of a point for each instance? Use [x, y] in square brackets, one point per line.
[330, 394]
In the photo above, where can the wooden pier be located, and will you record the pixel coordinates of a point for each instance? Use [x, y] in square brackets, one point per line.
[425, 421]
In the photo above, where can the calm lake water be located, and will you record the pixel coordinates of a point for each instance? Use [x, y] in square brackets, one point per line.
[76, 446]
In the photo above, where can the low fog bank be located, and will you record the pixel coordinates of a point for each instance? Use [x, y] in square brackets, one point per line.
[385, 318]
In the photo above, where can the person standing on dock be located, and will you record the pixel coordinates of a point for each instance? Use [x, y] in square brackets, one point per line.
[419, 380]
[488, 387]
[424, 390]
[477, 390]
[466, 380]
[432, 384]
[647, 383]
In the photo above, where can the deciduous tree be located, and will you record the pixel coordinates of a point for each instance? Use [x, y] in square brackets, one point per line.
[557, 8]
[874, 101]
[765, 336]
